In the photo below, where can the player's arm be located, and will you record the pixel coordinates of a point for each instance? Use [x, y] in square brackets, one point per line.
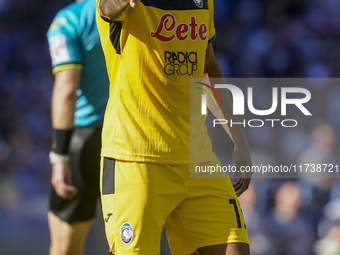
[215, 108]
[64, 98]
[241, 150]
[116, 10]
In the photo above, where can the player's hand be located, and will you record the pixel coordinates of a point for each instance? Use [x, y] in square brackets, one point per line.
[241, 158]
[61, 181]
[133, 3]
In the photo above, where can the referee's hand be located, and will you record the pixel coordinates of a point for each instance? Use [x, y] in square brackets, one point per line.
[61, 181]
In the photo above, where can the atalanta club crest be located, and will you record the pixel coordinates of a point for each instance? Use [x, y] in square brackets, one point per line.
[126, 233]
[199, 3]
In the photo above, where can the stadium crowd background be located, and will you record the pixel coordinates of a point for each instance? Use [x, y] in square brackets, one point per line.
[288, 38]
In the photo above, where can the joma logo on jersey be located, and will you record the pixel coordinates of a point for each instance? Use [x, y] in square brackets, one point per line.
[180, 63]
[181, 31]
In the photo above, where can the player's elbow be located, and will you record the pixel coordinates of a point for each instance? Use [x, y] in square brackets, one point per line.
[208, 68]
[213, 69]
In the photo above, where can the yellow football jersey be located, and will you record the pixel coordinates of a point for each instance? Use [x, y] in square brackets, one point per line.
[150, 58]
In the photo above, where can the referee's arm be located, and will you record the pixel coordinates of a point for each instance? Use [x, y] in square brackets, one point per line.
[64, 98]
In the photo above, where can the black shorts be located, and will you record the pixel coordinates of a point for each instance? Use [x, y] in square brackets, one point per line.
[84, 154]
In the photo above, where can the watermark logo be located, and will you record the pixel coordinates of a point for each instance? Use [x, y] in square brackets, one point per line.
[204, 97]
[238, 103]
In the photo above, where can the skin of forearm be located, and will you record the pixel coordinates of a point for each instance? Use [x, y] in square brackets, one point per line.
[217, 112]
[236, 132]
[64, 98]
[116, 10]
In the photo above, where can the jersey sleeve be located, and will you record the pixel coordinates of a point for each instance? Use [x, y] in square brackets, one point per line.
[212, 32]
[64, 42]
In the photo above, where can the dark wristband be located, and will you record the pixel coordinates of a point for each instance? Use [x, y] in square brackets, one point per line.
[61, 140]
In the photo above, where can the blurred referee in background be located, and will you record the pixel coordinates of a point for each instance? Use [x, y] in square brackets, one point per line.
[78, 102]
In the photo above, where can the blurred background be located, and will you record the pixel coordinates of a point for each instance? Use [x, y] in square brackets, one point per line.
[287, 38]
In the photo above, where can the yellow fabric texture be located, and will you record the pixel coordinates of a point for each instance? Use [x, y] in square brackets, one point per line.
[148, 113]
[150, 196]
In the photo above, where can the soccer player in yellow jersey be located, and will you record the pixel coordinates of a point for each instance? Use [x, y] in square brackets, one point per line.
[152, 49]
